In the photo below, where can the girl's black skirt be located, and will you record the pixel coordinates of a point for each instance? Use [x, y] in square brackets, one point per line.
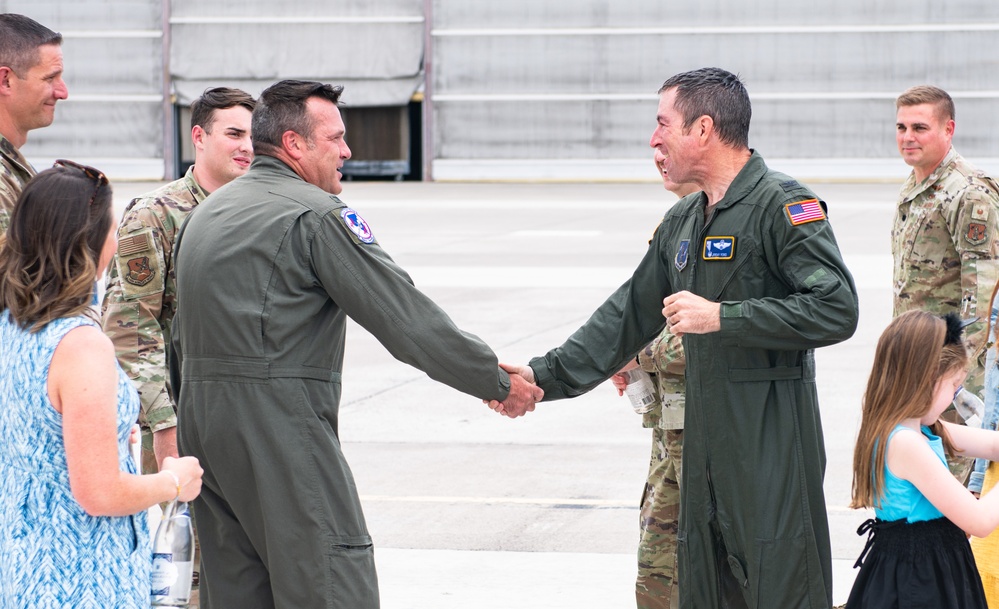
[913, 566]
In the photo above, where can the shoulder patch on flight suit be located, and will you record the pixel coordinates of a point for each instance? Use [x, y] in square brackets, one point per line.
[977, 231]
[359, 229]
[790, 185]
[138, 264]
[718, 248]
[803, 212]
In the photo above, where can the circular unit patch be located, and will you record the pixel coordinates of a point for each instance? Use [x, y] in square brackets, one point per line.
[357, 225]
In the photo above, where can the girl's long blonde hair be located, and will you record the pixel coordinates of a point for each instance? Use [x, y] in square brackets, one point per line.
[913, 354]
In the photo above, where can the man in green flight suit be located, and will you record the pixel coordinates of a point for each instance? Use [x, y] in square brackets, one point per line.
[748, 272]
[268, 269]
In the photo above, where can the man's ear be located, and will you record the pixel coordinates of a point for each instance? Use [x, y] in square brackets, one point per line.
[5, 74]
[705, 126]
[294, 145]
[198, 137]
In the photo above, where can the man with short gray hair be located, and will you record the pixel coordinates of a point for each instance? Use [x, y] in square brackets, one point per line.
[30, 85]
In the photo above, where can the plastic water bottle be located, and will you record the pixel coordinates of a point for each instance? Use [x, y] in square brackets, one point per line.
[640, 390]
[970, 407]
[173, 558]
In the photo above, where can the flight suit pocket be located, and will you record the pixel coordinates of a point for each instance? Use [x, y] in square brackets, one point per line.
[782, 580]
[350, 574]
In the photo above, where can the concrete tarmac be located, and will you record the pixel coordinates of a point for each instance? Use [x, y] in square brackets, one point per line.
[469, 509]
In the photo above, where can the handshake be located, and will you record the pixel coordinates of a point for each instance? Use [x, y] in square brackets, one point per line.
[524, 394]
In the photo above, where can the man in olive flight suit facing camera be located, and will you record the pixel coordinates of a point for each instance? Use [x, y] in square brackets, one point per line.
[753, 281]
[268, 269]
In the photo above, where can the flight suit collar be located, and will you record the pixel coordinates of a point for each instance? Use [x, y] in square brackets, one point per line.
[270, 164]
[744, 183]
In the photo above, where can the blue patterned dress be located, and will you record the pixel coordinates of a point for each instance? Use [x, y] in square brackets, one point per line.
[52, 553]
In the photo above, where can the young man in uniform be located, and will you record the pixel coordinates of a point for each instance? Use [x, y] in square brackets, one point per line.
[30, 85]
[268, 270]
[945, 240]
[748, 273]
[141, 297]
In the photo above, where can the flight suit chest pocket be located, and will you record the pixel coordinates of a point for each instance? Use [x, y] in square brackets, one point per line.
[722, 258]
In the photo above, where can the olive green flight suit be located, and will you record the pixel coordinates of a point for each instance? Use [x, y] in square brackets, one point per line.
[753, 526]
[268, 268]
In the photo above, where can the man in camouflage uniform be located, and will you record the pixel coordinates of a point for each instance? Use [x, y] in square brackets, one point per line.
[140, 300]
[30, 85]
[944, 239]
[655, 587]
[659, 513]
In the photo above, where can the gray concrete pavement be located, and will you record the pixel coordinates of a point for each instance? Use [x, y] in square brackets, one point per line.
[468, 509]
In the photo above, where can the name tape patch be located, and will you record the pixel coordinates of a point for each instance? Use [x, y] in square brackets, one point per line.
[718, 248]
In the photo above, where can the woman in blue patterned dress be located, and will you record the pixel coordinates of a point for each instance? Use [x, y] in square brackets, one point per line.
[72, 508]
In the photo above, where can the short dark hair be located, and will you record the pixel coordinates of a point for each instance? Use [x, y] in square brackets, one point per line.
[49, 255]
[20, 38]
[281, 107]
[716, 93]
[928, 94]
[218, 98]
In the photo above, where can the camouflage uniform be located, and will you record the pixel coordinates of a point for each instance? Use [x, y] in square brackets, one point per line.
[15, 172]
[944, 242]
[141, 301]
[660, 511]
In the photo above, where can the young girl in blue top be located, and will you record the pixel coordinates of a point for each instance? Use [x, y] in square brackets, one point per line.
[917, 553]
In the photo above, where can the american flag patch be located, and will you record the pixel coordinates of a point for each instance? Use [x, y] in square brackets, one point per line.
[134, 244]
[802, 212]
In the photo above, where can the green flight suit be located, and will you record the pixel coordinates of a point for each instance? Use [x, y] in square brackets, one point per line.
[753, 526]
[268, 268]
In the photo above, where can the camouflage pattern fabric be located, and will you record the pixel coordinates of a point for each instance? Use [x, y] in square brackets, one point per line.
[945, 244]
[141, 296]
[655, 587]
[664, 359]
[15, 172]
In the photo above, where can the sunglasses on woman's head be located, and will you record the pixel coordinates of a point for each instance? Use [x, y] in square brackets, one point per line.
[94, 174]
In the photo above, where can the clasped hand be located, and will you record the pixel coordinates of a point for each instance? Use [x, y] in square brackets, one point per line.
[688, 313]
[524, 394]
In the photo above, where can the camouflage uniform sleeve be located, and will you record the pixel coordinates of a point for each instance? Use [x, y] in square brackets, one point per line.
[7, 200]
[664, 358]
[132, 311]
[977, 242]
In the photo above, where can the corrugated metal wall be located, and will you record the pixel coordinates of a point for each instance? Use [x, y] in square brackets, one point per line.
[112, 52]
[529, 89]
[568, 89]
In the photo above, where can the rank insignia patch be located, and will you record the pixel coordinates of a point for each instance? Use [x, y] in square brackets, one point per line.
[718, 248]
[357, 225]
[803, 212]
[139, 271]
